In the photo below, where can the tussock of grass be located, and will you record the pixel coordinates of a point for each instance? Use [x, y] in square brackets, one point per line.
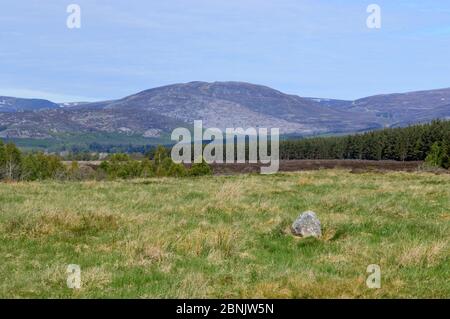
[62, 223]
[228, 236]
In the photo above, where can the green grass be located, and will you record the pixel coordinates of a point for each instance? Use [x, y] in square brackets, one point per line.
[227, 236]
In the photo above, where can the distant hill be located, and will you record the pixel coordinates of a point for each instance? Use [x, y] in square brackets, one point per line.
[237, 104]
[13, 104]
[400, 109]
[156, 112]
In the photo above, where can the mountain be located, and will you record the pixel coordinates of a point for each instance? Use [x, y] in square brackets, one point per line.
[237, 104]
[401, 109]
[12, 104]
[156, 112]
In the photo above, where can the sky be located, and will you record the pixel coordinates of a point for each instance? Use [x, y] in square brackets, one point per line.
[314, 48]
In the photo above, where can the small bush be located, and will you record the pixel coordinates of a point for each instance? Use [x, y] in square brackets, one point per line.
[147, 168]
[160, 155]
[177, 170]
[200, 169]
[167, 167]
[121, 166]
[39, 166]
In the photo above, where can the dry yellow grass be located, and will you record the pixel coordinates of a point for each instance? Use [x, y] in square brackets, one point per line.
[227, 236]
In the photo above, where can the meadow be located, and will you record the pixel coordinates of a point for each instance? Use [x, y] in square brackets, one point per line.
[227, 236]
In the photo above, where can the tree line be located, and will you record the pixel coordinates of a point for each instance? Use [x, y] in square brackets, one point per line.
[413, 143]
[427, 142]
[424, 142]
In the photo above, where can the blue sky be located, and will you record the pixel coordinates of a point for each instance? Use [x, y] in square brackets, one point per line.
[310, 48]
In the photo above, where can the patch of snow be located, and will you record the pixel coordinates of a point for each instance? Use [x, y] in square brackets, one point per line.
[124, 129]
[152, 133]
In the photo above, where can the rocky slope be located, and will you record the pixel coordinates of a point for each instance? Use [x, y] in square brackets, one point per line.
[157, 111]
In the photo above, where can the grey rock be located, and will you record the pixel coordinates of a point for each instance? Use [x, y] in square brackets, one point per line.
[307, 225]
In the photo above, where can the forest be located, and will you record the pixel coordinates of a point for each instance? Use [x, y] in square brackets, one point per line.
[413, 143]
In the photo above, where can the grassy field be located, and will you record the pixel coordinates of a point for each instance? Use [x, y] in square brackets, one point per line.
[227, 236]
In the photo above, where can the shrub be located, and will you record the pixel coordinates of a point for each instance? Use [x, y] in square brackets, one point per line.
[163, 166]
[439, 155]
[38, 166]
[121, 166]
[119, 157]
[10, 162]
[160, 155]
[200, 169]
[177, 170]
[147, 168]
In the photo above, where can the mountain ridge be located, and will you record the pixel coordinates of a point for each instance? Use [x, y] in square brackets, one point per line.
[155, 112]
[14, 104]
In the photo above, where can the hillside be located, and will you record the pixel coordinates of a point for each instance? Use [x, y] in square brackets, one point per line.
[13, 104]
[400, 109]
[154, 113]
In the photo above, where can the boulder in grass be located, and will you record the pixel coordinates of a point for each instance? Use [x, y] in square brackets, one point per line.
[307, 225]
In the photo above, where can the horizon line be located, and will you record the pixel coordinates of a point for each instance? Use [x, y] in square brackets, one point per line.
[39, 94]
